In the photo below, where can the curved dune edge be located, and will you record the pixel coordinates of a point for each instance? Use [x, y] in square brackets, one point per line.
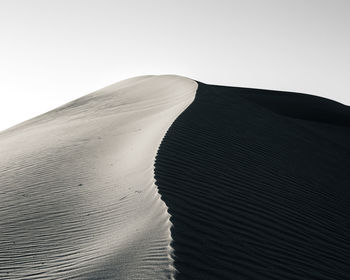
[257, 186]
[78, 198]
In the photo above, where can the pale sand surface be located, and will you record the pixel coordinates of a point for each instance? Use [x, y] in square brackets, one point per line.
[78, 198]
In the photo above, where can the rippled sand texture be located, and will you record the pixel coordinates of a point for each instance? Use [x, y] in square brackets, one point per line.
[78, 198]
[258, 186]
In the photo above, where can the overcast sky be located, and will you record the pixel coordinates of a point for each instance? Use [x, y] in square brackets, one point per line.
[54, 51]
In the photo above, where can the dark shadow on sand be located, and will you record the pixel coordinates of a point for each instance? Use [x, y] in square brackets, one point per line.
[258, 186]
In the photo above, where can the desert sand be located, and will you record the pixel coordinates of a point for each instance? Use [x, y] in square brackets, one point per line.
[257, 183]
[78, 198]
[162, 177]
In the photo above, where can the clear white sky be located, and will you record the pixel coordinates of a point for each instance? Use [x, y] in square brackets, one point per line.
[53, 51]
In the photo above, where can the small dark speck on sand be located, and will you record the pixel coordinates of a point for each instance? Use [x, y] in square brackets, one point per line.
[80, 185]
[138, 191]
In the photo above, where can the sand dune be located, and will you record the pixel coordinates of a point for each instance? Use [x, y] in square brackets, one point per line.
[250, 184]
[78, 198]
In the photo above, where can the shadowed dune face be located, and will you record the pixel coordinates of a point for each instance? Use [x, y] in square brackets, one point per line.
[78, 198]
[257, 189]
